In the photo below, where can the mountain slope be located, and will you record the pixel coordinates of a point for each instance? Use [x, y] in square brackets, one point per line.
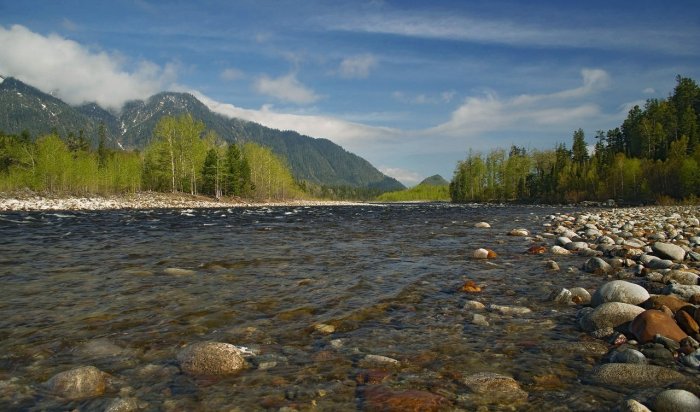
[317, 161]
[434, 180]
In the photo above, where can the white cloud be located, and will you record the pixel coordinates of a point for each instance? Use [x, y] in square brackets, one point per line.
[357, 66]
[526, 112]
[286, 88]
[69, 24]
[422, 98]
[76, 73]
[407, 177]
[230, 74]
[649, 90]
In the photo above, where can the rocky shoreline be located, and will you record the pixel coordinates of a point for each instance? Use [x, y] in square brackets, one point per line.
[30, 201]
[647, 306]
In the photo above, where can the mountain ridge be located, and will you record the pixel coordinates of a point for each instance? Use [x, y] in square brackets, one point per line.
[313, 160]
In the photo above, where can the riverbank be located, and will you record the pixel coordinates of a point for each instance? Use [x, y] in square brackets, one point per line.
[647, 305]
[30, 201]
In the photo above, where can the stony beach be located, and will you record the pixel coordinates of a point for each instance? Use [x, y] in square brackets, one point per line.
[29, 201]
[647, 306]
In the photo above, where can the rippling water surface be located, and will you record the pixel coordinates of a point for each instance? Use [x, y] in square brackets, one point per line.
[93, 288]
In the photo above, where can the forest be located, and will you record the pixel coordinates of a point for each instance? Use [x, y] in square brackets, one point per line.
[653, 157]
[181, 157]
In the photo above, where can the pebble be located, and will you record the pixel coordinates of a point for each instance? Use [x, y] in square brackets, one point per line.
[631, 405]
[597, 265]
[558, 250]
[519, 232]
[561, 296]
[676, 400]
[474, 305]
[607, 315]
[509, 310]
[122, 405]
[324, 328]
[381, 359]
[628, 355]
[493, 387]
[178, 272]
[580, 296]
[480, 320]
[683, 291]
[482, 225]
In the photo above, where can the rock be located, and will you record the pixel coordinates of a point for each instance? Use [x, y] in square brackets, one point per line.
[79, 383]
[558, 250]
[687, 323]
[670, 301]
[178, 272]
[470, 287]
[561, 296]
[682, 277]
[324, 328]
[628, 356]
[374, 359]
[682, 291]
[536, 250]
[580, 296]
[634, 243]
[658, 354]
[563, 240]
[380, 398]
[480, 320]
[474, 305]
[668, 251]
[596, 265]
[99, 348]
[676, 400]
[631, 405]
[620, 291]
[519, 232]
[576, 246]
[484, 254]
[658, 264]
[211, 358]
[495, 387]
[509, 310]
[552, 265]
[652, 322]
[482, 225]
[607, 315]
[122, 405]
[634, 375]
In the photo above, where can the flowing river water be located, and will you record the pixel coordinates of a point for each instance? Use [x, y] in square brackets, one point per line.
[310, 290]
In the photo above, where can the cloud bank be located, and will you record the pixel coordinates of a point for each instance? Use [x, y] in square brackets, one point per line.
[286, 88]
[357, 67]
[75, 73]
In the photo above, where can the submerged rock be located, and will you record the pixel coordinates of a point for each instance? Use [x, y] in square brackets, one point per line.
[79, 383]
[178, 272]
[596, 265]
[580, 296]
[380, 398]
[607, 315]
[211, 358]
[519, 232]
[482, 225]
[495, 387]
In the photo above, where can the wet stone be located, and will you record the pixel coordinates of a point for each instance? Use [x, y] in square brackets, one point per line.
[211, 358]
[495, 388]
[673, 400]
[79, 383]
[632, 375]
[620, 291]
[380, 398]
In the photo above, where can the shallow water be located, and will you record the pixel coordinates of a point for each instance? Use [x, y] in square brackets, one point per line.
[92, 288]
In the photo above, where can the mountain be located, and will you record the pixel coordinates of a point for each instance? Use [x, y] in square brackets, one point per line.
[435, 180]
[316, 161]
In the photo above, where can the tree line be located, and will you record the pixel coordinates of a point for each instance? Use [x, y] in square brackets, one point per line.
[181, 157]
[654, 156]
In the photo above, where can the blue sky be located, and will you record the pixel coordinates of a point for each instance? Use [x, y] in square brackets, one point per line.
[410, 86]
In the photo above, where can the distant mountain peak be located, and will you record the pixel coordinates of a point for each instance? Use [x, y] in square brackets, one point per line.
[435, 180]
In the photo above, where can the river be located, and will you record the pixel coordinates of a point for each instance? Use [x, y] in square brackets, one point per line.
[310, 290]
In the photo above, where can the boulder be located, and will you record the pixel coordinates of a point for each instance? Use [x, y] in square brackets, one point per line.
[619, 291]
[79, 383]
[596, 265]
[634, 375]
[676, 400]
[211, 358]
[668, 251]
[607, 315]
[652, 322]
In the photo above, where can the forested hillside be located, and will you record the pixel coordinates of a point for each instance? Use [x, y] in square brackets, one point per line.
[654, 156]
[319, 163]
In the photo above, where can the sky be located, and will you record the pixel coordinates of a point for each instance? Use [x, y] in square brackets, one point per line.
[411, 86]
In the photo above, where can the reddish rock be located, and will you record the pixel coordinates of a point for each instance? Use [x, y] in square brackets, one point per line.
[670, 301]
[536, 250]
[491, 254]
[471, 287]
[652, 322]
[695, 299]
[379, 398]
[687, 323]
